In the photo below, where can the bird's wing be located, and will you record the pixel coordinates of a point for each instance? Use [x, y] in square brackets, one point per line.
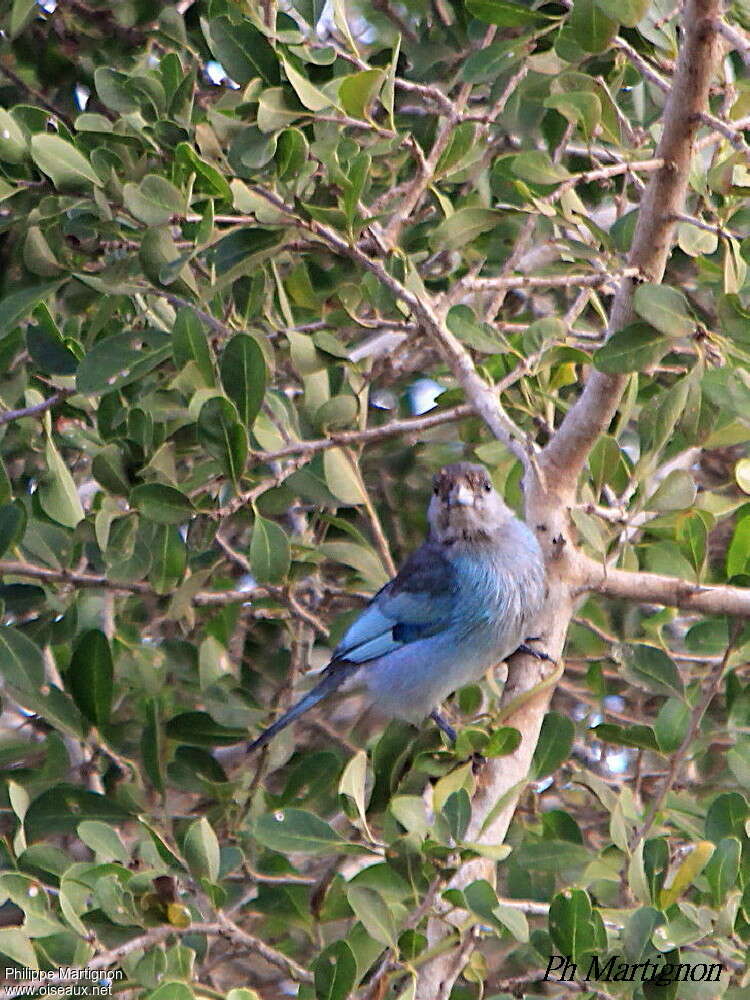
[416, 604]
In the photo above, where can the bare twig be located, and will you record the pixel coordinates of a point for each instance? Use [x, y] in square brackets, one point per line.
[652, 241]
[684, 748]
[670, 591]
[481, 283]
[736, 38]
[223, 927]
[484, 398]
[37, 408]
[37, 95]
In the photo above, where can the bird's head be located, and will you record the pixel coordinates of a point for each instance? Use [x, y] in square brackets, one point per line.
[465, 506]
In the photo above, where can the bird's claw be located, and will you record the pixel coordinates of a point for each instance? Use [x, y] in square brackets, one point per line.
[536, 653]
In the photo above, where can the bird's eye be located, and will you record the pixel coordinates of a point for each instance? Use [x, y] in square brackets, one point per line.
[487, 487]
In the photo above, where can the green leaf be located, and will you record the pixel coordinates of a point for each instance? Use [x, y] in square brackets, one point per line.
[291, 153]
[113, 90]
[364, 560]
[16, 945]
[58, 495]
[353, 784]
[571, 924]
[201, 850]
[241, 49]
[687, 872]
[642, 737]
[636, 937]
[738, 553]
[537, 167]
[168, 559]
[339, 411]
[190, 343]
[162, 504]
[208, 178]
[692, 534]
[37, 254]
[104, 840]
[742, 474]
[297, 831]
[6, 490]
[664, 308]
[630, 350]
[554, 746]
[677, 491]
[464, 226]
[152, 746]
[671, 724]
[335, 971]
[108, 468]
[590, 27]
[21, 661]
[13, 519]
[580, 107]
[505, 14]
[60, 809]
[119, 360]
[371, 909]
[627, 12]
[457, 811]
[200, 730]
[269, 551]
[649, 667]
[343, 478]
[503, 741]
[243, 375]
[359, 90]
[223, 436]
[48, 350]
[174, 991]
[461, 142]
[309, 95]
[480, 336]
[726, 816]
[67, 167]
[241, 251]
[738, 759]
[723, 868]
[16, 306]
[90, 677]
[482, 899]
[154, 201]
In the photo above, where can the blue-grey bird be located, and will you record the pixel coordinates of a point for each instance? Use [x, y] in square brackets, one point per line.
[463, 602]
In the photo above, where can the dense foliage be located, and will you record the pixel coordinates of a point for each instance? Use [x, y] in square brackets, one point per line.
[213, 454]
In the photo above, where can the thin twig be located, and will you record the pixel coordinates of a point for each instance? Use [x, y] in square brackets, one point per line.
[684, 748]
[37, 408]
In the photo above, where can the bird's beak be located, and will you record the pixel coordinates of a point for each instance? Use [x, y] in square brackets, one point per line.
[463, 496]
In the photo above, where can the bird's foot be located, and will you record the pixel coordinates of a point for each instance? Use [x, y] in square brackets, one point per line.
[536, 653]
[478, 762]
[444, 726]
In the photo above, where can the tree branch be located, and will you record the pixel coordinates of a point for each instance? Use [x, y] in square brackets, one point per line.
[37, 408]
[395, 428]
[670, 591]
[481, 284]
[526, 695]
[684, 748]
[664, 198]
[483, 397]
[736, 38]
[222, 927]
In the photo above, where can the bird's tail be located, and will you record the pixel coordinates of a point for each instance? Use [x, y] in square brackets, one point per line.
[330, 682]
